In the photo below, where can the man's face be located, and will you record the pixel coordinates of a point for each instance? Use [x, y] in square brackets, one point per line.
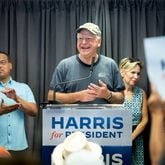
[5, 67]
[87, 43]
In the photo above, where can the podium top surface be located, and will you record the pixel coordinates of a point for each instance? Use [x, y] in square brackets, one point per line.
[82, 105]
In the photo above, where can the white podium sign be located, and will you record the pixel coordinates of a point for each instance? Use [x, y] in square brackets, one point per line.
[107, 125]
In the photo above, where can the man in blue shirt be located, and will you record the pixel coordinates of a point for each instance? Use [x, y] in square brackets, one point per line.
[18, 100]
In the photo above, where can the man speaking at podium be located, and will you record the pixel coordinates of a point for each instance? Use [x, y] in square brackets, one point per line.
[87, 77]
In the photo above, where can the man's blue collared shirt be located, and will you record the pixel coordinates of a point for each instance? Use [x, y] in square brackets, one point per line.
[12, 129]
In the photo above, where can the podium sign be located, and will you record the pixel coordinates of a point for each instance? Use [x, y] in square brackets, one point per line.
[110, 126]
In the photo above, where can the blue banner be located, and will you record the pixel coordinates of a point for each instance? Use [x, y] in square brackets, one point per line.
[110, 126]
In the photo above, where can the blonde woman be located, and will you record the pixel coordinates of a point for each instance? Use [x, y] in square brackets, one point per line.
[136, 102]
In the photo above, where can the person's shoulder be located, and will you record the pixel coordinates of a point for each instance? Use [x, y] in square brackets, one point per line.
[20, 84]
[108, 62]
[137, 88]
[107, 59]
[68, 60]
[140, 90]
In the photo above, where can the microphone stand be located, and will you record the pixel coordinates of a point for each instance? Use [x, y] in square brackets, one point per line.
[54, 101]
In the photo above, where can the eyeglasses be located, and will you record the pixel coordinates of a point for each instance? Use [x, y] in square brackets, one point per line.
[3, 62]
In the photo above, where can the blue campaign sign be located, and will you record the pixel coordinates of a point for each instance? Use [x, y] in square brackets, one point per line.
[110, 126]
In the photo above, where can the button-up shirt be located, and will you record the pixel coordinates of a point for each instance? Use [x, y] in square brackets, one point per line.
[12, 129]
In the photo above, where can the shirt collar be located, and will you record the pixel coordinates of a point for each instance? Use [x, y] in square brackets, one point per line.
[6, 84]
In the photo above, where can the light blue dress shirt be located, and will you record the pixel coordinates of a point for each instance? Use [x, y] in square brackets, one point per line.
[12, 129]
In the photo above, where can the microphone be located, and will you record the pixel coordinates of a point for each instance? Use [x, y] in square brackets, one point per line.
[92, 64]
[54, 101]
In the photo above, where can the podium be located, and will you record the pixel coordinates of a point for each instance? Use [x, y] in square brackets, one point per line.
[108, 125]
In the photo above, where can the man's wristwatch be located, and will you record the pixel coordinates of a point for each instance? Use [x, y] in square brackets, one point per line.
[109, 97]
